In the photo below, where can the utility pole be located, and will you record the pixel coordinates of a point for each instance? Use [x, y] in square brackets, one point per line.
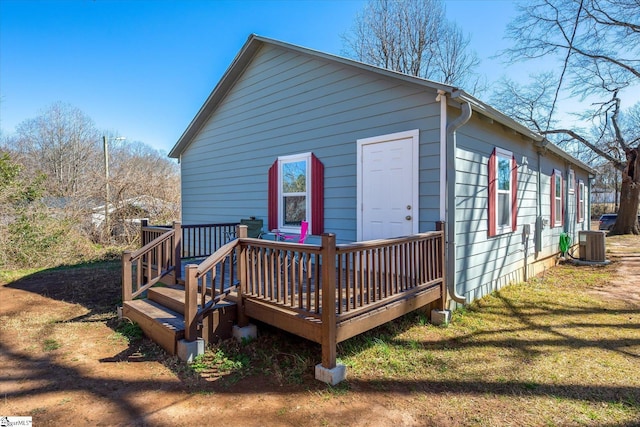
[106, 186]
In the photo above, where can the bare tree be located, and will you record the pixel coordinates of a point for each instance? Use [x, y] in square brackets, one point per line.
[140, 170]
[412, 37]
[597, 45]
[63, 143]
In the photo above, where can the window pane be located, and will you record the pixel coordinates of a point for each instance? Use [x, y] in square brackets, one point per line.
[295, 210]
[294, 177]
[558, 211]
[558, 186]
[504, 216]
[504, 173]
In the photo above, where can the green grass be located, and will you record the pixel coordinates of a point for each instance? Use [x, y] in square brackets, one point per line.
[127, 331]
[272, 355]
[8, 276]
[51, 345]
[547, 352]
[546, 341]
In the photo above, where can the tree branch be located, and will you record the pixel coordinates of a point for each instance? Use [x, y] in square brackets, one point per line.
[566, 62]
[611, 20]
[617, 163]
[614, 122]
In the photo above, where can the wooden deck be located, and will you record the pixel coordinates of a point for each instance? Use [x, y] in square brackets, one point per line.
[326, 293]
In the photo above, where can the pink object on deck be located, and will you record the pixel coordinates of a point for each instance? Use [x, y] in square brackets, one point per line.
[304, 229]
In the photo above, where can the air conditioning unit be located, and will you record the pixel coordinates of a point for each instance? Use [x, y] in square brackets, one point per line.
[592, 245]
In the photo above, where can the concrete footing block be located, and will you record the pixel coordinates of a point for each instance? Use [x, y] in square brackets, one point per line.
[248, 332]
[119, 312]
[440, 317]
[331, 376]
[188, 350]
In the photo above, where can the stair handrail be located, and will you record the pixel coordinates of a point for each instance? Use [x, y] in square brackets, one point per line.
[152, 244]
[167, 262]
[194, 312]
[214, 259]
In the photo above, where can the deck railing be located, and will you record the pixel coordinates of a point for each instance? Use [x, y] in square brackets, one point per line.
[371, 273]
[203, 240]
[287, 274]
[198, 241]
[156, 260]
[327, 285]
[207, 283]
[350, 279]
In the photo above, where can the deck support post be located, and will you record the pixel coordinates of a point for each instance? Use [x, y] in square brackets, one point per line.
[241, 259]
[329, 300]
[126, 276]
[190, 302]
[442, 306]
[177, 250]
[328, 371]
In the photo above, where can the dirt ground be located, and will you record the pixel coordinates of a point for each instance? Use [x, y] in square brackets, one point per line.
[62, 363]
[626, 284]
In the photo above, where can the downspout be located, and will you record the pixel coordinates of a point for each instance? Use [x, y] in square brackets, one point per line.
[587, 198]
[539, 223]
[451, 199]
[566, 199]
[442, 97]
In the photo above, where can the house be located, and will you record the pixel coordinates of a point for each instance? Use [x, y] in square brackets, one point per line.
[292, 134]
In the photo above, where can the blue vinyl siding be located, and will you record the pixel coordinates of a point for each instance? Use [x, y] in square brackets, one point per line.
[485, 263]
[287, 103]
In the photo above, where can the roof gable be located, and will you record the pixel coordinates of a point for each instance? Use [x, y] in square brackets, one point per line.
[248, 53]
[246, 56]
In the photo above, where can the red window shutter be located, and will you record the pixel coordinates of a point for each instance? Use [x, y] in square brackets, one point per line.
[514, 194]
[553, 199]
[272, 195]
[317, 196]
[493, 188]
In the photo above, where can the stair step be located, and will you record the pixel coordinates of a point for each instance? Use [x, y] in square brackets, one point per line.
[171, 297]
[161, 324]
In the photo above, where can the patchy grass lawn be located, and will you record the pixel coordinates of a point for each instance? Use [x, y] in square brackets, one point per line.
[551, 352]
[546, 352]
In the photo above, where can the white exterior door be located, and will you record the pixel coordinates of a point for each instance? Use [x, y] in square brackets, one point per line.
[388, 186]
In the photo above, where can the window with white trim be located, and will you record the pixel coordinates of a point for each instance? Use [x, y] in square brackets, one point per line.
[503, 174]
[572, 181]
[557, 199]
[294, 184]
[296, 193]
[582, 209]
[503, 188]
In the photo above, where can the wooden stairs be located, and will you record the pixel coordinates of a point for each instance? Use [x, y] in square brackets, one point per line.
[161, 317]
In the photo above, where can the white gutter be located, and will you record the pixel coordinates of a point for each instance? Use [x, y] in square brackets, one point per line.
[492, 113]
[451, 197]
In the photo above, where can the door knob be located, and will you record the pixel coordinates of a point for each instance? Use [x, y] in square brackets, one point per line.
[408, 217]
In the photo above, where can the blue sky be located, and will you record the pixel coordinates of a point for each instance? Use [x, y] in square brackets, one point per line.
[142, 69]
